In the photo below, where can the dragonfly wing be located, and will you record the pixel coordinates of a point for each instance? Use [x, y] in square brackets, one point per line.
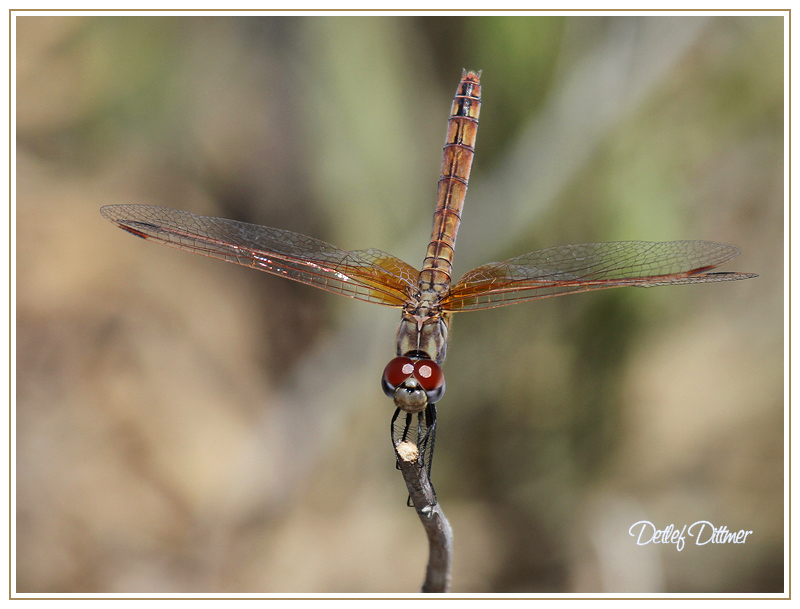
[591, 266]
[369, 275]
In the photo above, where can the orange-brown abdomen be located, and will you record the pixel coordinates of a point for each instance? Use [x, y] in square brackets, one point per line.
[459, 149]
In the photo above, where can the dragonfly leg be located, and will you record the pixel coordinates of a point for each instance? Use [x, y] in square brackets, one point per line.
[427, 440]
[397, 412]
[423, 434]
[394, 439]
[407, 428]
[397, 437]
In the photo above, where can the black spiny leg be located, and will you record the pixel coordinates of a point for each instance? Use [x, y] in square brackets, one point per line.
[395, 442]
[427, 440]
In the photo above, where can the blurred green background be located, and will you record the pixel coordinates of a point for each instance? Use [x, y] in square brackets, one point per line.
[185, 425]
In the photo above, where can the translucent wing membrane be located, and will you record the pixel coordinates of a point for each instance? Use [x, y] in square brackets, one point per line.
[369, 275]
[591, 266]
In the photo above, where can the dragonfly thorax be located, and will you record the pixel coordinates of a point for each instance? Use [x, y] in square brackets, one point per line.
[423, 331]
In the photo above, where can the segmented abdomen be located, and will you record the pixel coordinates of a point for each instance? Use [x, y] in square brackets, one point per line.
[459, 149]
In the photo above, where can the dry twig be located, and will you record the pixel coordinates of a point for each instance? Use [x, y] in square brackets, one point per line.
[440, 535]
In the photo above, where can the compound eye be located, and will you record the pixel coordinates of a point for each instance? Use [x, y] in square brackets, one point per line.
[430, 377]
[396, 371]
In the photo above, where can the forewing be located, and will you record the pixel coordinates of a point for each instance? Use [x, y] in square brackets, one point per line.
[592, 266]
[369, 275]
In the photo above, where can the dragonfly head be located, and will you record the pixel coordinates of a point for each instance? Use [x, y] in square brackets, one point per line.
[413, 383]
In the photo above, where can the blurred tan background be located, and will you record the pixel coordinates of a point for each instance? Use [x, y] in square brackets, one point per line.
[186, 425]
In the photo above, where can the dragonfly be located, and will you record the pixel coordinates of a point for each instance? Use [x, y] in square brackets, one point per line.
[428, 297]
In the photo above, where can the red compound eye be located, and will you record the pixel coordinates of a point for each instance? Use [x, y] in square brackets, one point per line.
[426, 371]
[396, 371]
[428, 374]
